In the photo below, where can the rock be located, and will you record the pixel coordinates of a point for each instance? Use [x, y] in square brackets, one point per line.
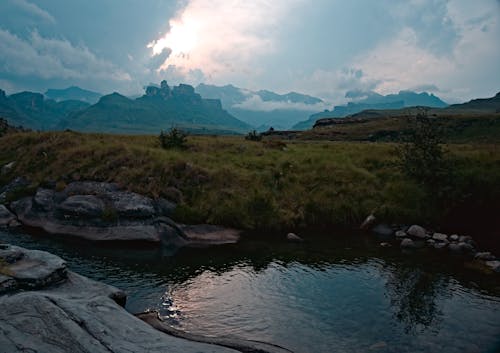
[15, 185]
[383, 230]
[455, 248]
[30, 269]
[102, 212]
[440, 245]
[485, 256]
[407, 243]
[494, 265]
[385, 245]
[76, 314]
[368, 222]
[430, 242]
[129, 204]
[165, 207]
[440, 237]
[401, 234]
[8, 167]
[85, 206]
[466, 248]
[6, 217]
[464, 238]
[240, 345]
[206, 234]
[417, 232]
[454, 237]
[292, 237]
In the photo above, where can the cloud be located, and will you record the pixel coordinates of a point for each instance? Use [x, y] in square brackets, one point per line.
[48, 58]
[469, 68]
[33, 10]
[222, 39]
[255, 103]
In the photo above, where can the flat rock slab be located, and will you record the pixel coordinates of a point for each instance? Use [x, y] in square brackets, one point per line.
[73, 314]
[29, 269]
[206, 234]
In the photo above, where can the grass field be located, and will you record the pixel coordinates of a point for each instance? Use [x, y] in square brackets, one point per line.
[268, 185]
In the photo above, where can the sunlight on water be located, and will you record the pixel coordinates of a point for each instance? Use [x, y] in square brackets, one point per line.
[333, 297]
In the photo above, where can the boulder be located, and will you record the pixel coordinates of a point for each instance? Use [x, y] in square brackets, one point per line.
[85, 206]
[417, 232]
[440, 245]
[464, 238]
[102, 212]
[368, 222]
[407, 243]
[6, 217]
[485, 256]
[30, 269]
[401, 234]
[454, 237]
[494, 265]
[385, 245]
[383, 230]
[440, 237]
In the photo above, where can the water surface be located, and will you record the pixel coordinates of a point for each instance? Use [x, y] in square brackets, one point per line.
[335, 293]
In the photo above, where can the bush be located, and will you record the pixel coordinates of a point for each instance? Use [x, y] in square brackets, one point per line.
[421, 156]
[173, 139]
[253, 136]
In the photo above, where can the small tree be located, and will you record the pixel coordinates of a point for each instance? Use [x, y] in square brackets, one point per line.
[421, 155]
[175, 138]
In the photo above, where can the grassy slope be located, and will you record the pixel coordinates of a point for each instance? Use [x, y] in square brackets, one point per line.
[251, 185]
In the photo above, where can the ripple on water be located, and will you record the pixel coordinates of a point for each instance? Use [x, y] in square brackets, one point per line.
[347, 302]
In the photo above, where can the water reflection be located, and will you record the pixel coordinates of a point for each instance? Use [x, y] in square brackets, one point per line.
[333, 290]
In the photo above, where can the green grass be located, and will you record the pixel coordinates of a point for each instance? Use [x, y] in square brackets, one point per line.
[260, 185]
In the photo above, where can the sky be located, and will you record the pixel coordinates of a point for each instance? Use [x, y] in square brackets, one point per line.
[325, 48]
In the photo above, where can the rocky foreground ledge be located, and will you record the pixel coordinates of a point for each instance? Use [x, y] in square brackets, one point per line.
[46, 308]
[103, 212]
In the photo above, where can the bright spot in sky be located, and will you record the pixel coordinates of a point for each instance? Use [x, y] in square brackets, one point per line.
[181, 39]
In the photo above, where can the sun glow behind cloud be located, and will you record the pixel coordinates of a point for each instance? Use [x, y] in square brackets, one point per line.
[218, 38]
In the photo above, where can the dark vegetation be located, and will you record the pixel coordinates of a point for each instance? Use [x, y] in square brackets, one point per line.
[175, 138]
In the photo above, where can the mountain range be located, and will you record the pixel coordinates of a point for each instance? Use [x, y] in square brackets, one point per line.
[73, 93]
[160, 108]
[263, 109]
[373, 101]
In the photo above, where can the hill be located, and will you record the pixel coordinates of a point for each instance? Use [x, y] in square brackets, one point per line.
[159, 109]
[33, 111]
[373, 100]
[73, 93]
[263, 108]
[477, 121]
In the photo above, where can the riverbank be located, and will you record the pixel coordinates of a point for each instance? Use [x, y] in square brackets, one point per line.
[264, 186]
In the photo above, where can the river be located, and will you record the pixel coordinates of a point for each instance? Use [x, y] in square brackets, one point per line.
[334, 293]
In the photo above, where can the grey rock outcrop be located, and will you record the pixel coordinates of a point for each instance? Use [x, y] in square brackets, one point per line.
[6, 217]
[102, 212]
[15, 185]
[70, 313]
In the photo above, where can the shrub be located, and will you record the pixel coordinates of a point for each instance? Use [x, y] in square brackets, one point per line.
[421, 156]
[175, 138]
[253, 136]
